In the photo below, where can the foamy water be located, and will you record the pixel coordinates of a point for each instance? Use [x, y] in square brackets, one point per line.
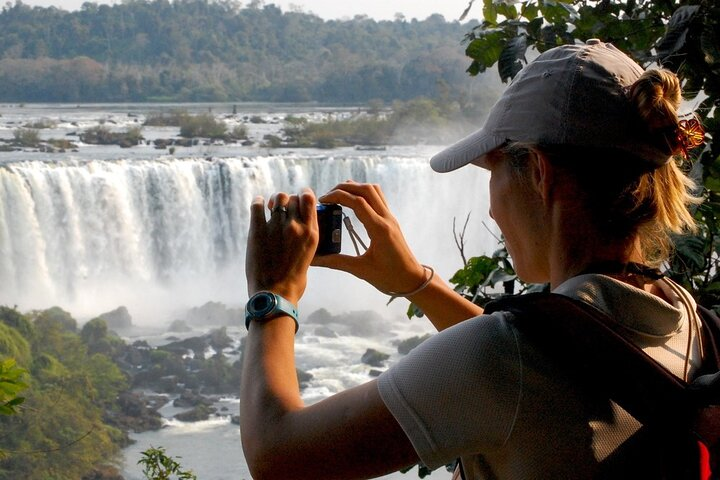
[160, 233]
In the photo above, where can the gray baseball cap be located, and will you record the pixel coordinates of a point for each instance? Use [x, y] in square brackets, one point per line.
[574, 95]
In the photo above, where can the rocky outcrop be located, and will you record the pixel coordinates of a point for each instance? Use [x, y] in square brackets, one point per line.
[374, 358]
[197, 414]
[138, 412]
[118, 319]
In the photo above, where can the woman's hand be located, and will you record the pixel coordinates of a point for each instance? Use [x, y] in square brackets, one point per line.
[388, 264]
[279, 250]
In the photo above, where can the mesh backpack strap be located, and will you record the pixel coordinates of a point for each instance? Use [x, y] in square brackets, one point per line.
[602, 357]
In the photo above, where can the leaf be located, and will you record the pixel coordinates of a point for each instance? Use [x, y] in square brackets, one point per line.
[676, 33]
[475, 272]
[475, 68]
[490, 13]
[486, 48]
[530, 11]
[507, 11]
[692, 251]
[498, 275]
[709, 40]
[511, 58]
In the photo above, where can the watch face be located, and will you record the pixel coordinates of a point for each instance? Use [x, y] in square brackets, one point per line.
[262, 304]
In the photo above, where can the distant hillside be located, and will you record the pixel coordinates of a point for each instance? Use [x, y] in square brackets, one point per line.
[200, 50]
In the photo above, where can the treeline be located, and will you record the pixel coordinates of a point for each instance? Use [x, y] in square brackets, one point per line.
[201, 50]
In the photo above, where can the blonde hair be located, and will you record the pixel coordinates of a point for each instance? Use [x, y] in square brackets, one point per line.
[657, 96]
[623, 197]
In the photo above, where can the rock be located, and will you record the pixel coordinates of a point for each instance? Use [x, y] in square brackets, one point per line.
[321, 316]
[374, 358]
[138, 412]
[375, 373]
[191, 399]
[303, 377]
[326, 332]
[197, 345]
[219, 339]
[405, 346]
[118, 319]
[179, 326]
[104, 472]
[215, 314]
[197, 414]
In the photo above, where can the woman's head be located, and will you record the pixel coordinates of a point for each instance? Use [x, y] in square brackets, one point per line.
[607, 125]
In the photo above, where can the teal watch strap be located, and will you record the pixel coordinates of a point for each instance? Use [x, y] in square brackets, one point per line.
[268, 305]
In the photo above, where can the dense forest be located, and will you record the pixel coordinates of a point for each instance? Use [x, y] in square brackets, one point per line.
[205, 50]
[83, 389]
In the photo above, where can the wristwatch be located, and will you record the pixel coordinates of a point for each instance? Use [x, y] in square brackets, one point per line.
[267, 305]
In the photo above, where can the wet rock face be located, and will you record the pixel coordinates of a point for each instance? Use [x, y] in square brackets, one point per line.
[139, 412]
[374, 358]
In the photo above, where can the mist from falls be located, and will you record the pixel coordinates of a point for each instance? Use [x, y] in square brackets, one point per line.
[163, 235]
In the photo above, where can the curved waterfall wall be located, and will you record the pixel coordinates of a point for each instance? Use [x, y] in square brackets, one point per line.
[163, 235]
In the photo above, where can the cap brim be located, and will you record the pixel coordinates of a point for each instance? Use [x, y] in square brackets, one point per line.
[470, 149]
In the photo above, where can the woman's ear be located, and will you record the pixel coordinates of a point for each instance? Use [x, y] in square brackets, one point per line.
[542, 174]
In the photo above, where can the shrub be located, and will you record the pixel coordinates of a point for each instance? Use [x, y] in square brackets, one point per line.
[166, 119]
[204, 125]
[27, 137]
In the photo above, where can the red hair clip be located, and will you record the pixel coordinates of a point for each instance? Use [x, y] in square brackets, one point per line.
[690, 134]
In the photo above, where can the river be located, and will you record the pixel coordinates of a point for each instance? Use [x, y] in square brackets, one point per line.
[160, 231]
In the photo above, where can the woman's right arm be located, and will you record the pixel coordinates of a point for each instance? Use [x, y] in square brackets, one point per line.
[388, 264]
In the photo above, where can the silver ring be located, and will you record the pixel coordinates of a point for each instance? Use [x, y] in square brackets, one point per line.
[279, 208]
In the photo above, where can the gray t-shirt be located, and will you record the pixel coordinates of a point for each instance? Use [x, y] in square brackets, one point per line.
[481, 391]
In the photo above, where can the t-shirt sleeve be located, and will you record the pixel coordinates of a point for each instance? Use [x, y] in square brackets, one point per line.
[457, 393]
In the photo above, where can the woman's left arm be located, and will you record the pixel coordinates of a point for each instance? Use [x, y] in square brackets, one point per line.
[349, 435]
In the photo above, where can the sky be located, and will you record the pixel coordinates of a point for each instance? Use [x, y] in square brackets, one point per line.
[335, 9]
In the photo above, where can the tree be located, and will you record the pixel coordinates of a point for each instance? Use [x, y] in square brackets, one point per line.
[682, 36]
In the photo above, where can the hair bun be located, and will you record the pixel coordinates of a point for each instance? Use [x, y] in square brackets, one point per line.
[657, 95]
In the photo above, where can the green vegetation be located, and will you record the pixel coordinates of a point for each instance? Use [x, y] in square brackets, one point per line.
[166, 119]
[26, 137]
[102, 135]
[77, 402]
[60, 432]
[11, 384]
[204, 125]
[420, 120]
[158, 466]
[681, 36]
[203, 50]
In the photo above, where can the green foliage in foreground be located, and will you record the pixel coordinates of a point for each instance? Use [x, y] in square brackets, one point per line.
[682, 36]
[157, 465]
[11, 384]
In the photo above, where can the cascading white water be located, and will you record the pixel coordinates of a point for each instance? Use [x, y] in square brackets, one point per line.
[162, 235]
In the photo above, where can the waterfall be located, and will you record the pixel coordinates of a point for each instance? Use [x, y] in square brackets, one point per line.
[166, 234]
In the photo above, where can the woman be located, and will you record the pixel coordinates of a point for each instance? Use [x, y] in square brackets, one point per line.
[585, 190]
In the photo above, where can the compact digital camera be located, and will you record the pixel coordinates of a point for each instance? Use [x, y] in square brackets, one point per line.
[330, 223]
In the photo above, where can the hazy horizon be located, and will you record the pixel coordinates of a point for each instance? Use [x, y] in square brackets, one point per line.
[331, 9]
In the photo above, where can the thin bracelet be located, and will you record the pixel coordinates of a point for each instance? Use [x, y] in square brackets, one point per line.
[394, 295]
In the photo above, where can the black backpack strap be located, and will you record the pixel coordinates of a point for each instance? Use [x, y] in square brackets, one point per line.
[600, 356]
